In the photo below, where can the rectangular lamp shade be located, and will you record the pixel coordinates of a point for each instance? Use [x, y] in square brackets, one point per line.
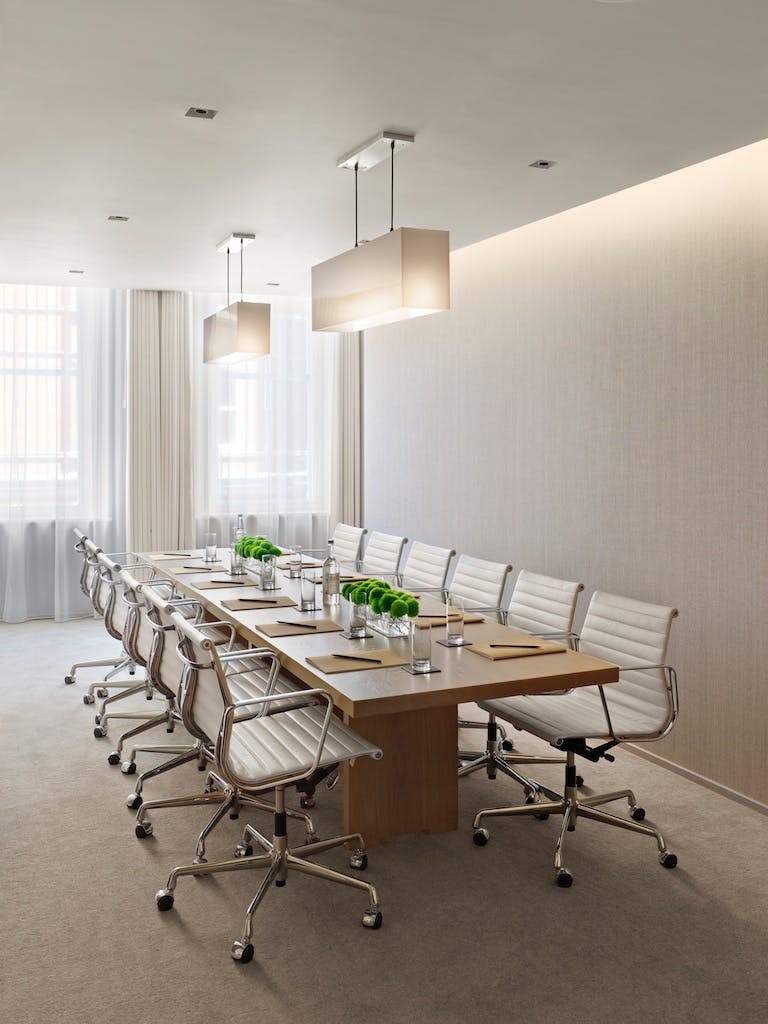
[240, 331]
[400, 275]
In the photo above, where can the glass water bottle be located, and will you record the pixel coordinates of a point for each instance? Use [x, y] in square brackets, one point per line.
[330, 578]
[236, 558]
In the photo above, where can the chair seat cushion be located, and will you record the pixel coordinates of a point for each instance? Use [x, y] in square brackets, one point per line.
[264, 750]
[576, 714]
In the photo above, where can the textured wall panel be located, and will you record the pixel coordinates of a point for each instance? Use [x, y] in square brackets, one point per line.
[595, 407]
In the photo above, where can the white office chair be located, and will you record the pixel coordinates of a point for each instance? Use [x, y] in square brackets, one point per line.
[545, 607]
[382, 555]
[245, 681]
[426, 567]
[265, 743]
[91, 584]
[590, 721]
[348, 544]
[480, 583]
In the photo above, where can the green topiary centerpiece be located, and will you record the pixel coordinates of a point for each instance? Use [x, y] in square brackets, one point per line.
[389, 608]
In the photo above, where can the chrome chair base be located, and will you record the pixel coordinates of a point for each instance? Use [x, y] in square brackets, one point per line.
[572, 807]
[229, 800]
[495, 759]
[278, 860]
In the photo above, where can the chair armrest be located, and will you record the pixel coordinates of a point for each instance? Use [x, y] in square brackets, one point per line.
[255, 654]
[207, 627]
[234, 715]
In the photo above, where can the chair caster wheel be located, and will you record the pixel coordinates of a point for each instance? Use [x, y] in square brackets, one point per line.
[88, 699]
[541, 817]
[99, 732]
[371, 919]
[579, 781]
[164, 899]
[113, 758]
[128, 767]
[97, 719]
[134, 801]
[234, 815]
[69, 680]
[143, 830]
[102, 692]
[481, 836]
[668, 860]
[637, 814]
[564, 878]
[507, 745]
[307, 803]
[243, 850]
[242, 952]
[279, 883]
[359, 860]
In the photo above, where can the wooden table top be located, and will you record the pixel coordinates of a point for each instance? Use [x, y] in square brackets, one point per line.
[463, 676]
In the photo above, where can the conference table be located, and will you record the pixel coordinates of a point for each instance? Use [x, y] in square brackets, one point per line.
[412, 718]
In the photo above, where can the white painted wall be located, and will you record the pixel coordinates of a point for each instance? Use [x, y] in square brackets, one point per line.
[595, 406]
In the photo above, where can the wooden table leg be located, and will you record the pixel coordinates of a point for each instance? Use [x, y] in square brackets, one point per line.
[414, 787]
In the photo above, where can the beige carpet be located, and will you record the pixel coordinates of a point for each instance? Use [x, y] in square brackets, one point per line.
[469, 934]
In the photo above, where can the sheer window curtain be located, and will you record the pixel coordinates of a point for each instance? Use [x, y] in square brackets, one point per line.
[160, 455]
[62, 441]
[267, 431]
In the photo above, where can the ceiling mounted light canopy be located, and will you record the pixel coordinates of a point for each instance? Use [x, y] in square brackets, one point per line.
[240, 330]
[400, 275]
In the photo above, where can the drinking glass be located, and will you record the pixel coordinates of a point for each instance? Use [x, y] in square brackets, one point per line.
[358, 621]
[454, 621]
[294, 564]
[211, 551]
[421, 648]
[268, 572]
[308, 592]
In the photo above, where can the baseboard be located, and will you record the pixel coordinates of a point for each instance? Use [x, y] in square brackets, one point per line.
[702, 780]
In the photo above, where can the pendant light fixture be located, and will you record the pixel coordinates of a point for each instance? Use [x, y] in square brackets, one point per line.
[240, 330]
[402, 274]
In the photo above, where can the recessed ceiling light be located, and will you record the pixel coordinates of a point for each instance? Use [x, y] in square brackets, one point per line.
[117, 216]
[204, 112]
[543, 165]
[273, 284]
[77, 271]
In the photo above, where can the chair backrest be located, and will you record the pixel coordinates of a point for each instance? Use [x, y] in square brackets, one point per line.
[165, 668]
[543, 604]
[116, 611]
[383, 553]
[480, 583]
[348, 543]
[204, 694]
[90, 580]
[139, 635]
[629, 633]
[426, 567]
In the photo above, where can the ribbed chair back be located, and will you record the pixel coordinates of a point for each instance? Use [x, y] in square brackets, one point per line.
[348, 543]
[426, 567]
[628, 633]
[479, 582]
[383, 553]
[117, 610]
[542, 604]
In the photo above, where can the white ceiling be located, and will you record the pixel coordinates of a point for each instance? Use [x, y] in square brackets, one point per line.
[93, 93]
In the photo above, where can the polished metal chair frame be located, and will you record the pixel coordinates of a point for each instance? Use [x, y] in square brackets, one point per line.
[641, 707]
[270, 718]
[544, 607]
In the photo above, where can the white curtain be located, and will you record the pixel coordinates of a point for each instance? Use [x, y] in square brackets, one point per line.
[266, 430]
[346, 466]
[62, 441]
[159, 455]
